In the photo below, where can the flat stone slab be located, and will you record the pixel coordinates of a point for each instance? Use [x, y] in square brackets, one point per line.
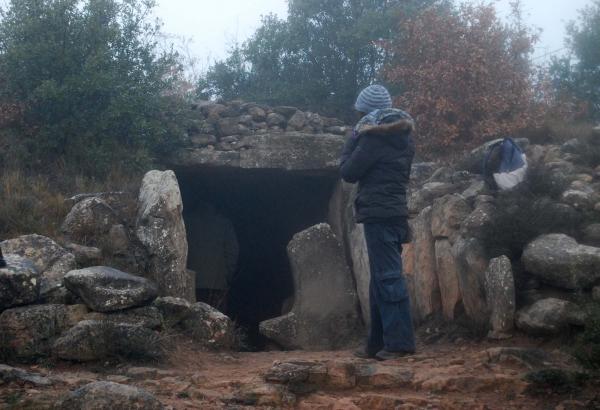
[292, 151]
[106, 289]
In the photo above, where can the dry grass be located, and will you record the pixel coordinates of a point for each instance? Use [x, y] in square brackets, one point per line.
[33, 203]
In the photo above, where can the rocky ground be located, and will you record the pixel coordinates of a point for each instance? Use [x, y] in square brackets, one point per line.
[517, 374]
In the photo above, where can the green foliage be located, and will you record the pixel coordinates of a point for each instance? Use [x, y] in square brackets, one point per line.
[317, 59]
[90, 81]
[579, 73]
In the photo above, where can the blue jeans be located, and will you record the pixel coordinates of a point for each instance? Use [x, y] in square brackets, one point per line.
[391, 322]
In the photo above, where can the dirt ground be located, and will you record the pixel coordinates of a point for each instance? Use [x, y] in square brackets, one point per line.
[443, 375]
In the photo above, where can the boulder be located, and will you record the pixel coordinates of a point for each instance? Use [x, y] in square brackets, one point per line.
[472, 263]
[549, 316]
[106, 289]
[145, 316]
[591, 235]
[19, 282]
[427, 290]
[89, 221]
[560, 261]
[50, 259]
[447, 272]
[92, 340]
[208, 327]
[173, 310]
[500, 295]
[28, 332]
[108, 396]
[12, 374]
[424, 197]
[85, 255]
[160, 228]
[448, 213]
[324, 314]
[297, 121]
[476, 223]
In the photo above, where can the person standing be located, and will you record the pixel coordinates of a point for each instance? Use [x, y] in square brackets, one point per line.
[379, 156]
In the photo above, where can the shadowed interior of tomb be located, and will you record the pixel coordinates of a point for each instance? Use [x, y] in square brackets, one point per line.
[264, 208]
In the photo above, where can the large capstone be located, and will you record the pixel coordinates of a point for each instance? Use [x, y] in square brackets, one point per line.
[19, 282]
[106, 289]
[549, 316]
[324, 314]
[161, 229]
[560, 261]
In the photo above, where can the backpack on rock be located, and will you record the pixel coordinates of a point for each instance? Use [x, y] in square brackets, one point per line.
[505, 165]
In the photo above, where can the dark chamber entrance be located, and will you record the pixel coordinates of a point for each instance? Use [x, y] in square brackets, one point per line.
[266, 208]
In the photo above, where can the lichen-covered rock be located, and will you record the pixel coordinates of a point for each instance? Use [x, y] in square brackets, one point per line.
[472, 263]
[447, 214]
[89, 221]
[28, 332]
[427, 290]
[19, 282]
[11, 374]
[447, 272]
[161, 229]
[422, 198]
[500, 295]
[560, 261]
[106, 289]
[173, 310]
[85, 255]
[324, 314]
[145, 316]
[51, 260]
[549, 316]
[109, 396]
[591, 235]
[208, 327]
[92, 340]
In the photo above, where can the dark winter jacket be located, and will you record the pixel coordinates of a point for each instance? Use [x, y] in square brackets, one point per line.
[379, 157]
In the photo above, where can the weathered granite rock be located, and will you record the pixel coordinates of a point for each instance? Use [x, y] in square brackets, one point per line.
[476, 223]
[161, 230]
[591, 235]
[297, 121]
[422, 198]
[92, 340]
[173, 310]
[19, 282]
[427, 289]
[208, 327]
[11, 374]
[447, 214]
[341, 219]
[549, 316]
[560, 261]
[293, 151]
[500, 295]
[145, 316]
[109, 396]
[50, 259]
[85, 255]
[578, 199]
[28, 332]
[324, 315]
[447, 272]
[89, 221]
[472, 264]
[106, 289]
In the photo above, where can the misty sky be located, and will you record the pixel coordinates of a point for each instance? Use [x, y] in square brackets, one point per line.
[213, 25]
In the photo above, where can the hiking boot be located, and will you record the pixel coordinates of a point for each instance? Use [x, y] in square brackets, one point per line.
[385, 355]
[363, 353]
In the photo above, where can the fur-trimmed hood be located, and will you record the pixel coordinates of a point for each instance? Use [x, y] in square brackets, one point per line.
[389, 123]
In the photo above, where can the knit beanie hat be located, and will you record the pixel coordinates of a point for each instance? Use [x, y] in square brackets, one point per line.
[374, 97]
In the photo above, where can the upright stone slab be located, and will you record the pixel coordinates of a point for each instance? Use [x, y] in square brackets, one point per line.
[472, 264]
[500, 295]
[161, 230]
[427, 289]
[447, 271]
[325, 312]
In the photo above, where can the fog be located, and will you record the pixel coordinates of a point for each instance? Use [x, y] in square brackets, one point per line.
[215, 25]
